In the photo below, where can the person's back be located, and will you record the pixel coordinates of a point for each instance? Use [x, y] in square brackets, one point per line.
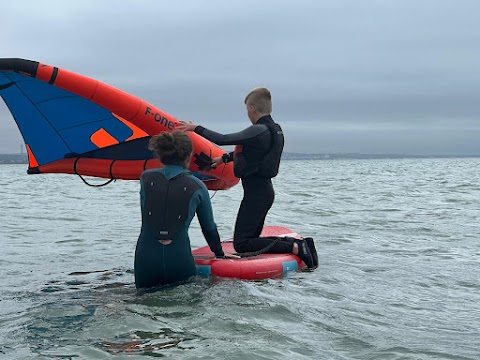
[169, 198]
[158, 261]
[260, 156]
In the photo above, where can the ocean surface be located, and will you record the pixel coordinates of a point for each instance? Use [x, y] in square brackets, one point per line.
[399, 275]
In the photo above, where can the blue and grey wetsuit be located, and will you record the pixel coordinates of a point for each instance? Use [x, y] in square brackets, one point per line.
[179, 195]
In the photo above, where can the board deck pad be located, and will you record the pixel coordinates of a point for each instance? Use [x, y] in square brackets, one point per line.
[258, 267]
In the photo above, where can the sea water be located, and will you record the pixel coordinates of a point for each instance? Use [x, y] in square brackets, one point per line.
[399, 275]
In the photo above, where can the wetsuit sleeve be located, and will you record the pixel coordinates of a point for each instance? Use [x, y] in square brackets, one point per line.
[142, 195]
[209, 228]
[239, 138]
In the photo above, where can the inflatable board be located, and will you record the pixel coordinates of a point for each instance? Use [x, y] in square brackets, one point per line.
[258, 267]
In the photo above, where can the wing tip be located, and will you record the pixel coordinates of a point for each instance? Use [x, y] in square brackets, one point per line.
[24, 66]
[33, 170]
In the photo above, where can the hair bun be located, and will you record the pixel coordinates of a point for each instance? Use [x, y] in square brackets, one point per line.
[171, 148]
[168, 142]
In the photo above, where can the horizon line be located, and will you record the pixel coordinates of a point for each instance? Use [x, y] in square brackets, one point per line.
[334, 154]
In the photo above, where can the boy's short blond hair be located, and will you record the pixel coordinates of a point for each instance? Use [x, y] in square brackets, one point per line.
[261, 99]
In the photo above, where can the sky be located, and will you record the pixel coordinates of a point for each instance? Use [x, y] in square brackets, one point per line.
[346, 76]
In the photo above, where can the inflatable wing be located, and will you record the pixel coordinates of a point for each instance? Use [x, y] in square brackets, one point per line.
[77, 125]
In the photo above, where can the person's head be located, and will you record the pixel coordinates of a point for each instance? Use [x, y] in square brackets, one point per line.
[259, 103]
[173, 148]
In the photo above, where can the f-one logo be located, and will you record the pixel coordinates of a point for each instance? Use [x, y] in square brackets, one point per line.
[160, 119]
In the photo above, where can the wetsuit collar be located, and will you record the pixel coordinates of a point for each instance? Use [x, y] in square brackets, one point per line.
[171, 171]
[264, 120]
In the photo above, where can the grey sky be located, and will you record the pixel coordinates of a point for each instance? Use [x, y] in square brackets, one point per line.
[369, 76]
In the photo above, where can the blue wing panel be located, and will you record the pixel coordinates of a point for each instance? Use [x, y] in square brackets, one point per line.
[79, 137]
[56, 123]
[6, 77]
[38, 91]
[69, 112]
[42, 138]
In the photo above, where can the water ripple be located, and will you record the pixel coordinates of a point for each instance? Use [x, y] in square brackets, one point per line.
[398, 275]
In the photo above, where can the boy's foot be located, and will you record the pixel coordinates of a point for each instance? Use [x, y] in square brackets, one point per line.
[304, 253]
[313, 251]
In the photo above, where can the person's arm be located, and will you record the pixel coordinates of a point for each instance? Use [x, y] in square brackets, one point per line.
[225, 158]
[209, 228]
[239, 138]
[142, 195]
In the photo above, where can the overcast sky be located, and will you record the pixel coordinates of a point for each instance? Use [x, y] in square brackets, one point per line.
[362, 76]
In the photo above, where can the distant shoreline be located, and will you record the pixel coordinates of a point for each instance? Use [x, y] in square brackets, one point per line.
[13, 159]
[22, 158]
[353, 156]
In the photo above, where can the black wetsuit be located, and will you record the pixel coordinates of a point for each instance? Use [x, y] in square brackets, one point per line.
[157, 264]
[260, 150]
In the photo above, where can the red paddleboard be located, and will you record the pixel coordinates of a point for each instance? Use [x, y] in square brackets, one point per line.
[258, 267]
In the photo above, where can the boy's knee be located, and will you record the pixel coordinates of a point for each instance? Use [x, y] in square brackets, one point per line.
[239, 245]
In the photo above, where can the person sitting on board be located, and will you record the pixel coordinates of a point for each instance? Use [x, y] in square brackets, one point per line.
[169, 199]
[256, 161]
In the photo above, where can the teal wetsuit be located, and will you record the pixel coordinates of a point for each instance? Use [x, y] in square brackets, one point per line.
[157, 264]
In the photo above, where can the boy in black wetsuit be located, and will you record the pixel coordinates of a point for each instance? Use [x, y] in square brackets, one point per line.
[256, 161]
